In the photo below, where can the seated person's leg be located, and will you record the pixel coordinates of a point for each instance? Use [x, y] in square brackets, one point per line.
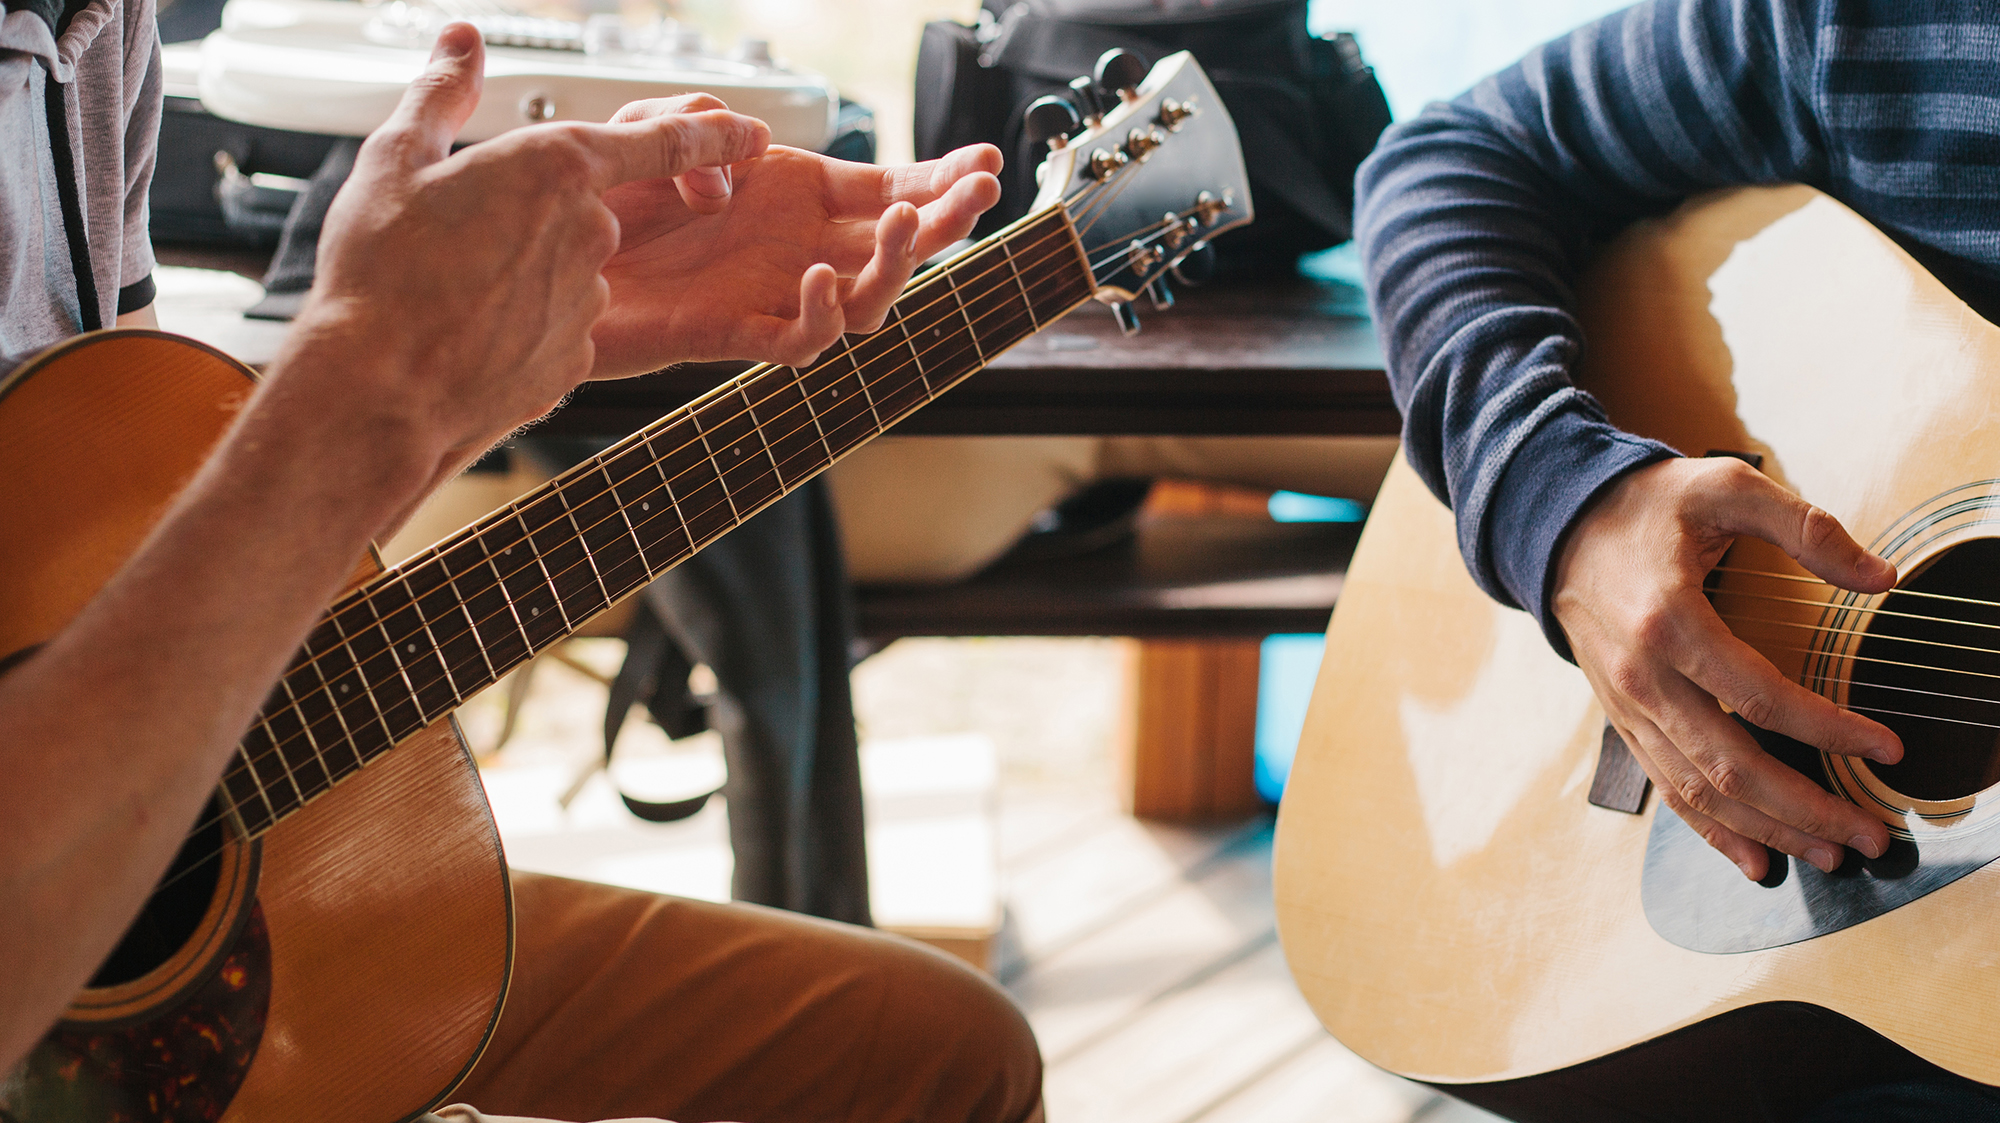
[631, 1004]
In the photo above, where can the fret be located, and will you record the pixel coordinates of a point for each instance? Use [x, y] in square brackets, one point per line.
[641, 492]
[381, 676]
[412, 646]
[896, 314]
[474, 582]
[340, 666]
[995, 302]
[315, 701]
[931, 321]
[274, 774]
[741, 457]
[552, 534]
[971, 328]
[894, 386]
[608, 535]
[526, 578]
[448, 626]
[840, 399]
[1007, 251]
[780, 411]
[694, 482]
[288, 728]
[496, 539]
[246, 792]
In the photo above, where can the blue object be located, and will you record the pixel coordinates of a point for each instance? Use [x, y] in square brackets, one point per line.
[1293, 507]
[1286, 669]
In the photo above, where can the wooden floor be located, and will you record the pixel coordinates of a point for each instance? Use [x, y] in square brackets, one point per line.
[1147, 959]
[1145, 956]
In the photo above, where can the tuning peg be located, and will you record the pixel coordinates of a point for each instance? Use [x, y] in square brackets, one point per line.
[1195, 267]
[1083, 91]
[1128, 320]
[1120, 71]
[1050, 120]
[1163, 297]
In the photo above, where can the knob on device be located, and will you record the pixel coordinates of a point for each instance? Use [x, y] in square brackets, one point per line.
[1050, 120]
[1083, 91]
[1120, 71]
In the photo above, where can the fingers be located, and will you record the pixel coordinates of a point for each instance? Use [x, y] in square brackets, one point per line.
[671, 145]
[857, 191]
[1733, 671]
[705, 189]
[1749, 855]
[881, 281]
[437, 104]
[951, 217]
[1752, 503]
[798, 342]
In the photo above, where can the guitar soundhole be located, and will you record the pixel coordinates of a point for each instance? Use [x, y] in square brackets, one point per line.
[176, 908]
[1933, 675]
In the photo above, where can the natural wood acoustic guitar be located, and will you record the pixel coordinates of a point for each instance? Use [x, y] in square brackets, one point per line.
[333, 941]
[1454, 904]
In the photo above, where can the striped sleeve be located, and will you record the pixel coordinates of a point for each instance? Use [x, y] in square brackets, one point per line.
[1474, 217]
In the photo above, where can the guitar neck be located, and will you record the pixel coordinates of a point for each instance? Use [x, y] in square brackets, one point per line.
[409, 647]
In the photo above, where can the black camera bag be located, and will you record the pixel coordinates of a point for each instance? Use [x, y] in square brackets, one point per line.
[1307, 110]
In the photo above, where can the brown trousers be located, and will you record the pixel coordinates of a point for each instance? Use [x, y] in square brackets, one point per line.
[630, 1004]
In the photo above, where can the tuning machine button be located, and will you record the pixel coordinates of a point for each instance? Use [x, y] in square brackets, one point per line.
[1120, 71]
[1083, 91]
[1163, 297]
[1172, 113]
[1105, 162]
[1128, 320]
[1051, 120]
[1141, 141]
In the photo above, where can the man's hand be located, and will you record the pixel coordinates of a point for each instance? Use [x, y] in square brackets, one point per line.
[1628, 593]
[773, 259]
[458, 291]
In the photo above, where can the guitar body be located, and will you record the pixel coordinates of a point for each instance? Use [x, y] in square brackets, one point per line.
[1451, 904]
[349, 964]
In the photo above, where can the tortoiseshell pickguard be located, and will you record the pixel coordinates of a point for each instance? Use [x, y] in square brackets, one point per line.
[183, 1065]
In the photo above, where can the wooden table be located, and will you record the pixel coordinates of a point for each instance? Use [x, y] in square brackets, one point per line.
[1291, 357]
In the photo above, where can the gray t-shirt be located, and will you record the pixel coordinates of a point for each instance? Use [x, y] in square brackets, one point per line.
[108, 60]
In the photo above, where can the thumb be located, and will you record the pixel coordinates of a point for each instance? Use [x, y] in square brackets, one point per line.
[439, 101]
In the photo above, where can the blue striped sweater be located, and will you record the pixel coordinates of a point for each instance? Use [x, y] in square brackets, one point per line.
[1474, 217]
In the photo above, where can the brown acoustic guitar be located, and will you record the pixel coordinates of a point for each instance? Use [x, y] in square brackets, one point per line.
[1474, 888]
[333, 941]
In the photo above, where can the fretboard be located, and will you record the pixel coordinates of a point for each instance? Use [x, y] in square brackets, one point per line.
[409, 647]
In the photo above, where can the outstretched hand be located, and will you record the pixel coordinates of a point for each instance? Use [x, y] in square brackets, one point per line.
[774, 258]
[1628, 594]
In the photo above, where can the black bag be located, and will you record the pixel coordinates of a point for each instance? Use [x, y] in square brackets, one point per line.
[1307, 110]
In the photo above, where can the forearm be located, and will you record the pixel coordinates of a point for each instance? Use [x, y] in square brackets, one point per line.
[1475, 218]
[115, 732]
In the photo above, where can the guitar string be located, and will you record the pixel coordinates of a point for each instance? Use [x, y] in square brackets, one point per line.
[1151, 232]
[1804, 580]
[1163, 227]
[280, 744]
[1885, 662]
[370, 663]
[339, 735]
[1854, 608]
[1854, 632]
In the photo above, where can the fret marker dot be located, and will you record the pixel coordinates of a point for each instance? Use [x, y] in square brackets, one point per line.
[343, 688]
[534, 612]
[411, 648]
[834, 393]
[935, 332]
[508, 552]
[645, 506]
[738, 450]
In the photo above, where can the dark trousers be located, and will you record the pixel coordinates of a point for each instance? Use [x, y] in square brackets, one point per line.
[768, 609]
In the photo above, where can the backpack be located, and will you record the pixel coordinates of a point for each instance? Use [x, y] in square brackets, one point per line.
[1307, 110]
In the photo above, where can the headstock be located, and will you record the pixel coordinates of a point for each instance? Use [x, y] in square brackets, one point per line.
[1149, 169]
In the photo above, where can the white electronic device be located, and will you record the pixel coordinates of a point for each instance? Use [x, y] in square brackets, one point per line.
[338, 67]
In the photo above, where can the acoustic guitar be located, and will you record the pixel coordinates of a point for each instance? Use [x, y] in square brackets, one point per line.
[333, 941]
[1474, 889]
